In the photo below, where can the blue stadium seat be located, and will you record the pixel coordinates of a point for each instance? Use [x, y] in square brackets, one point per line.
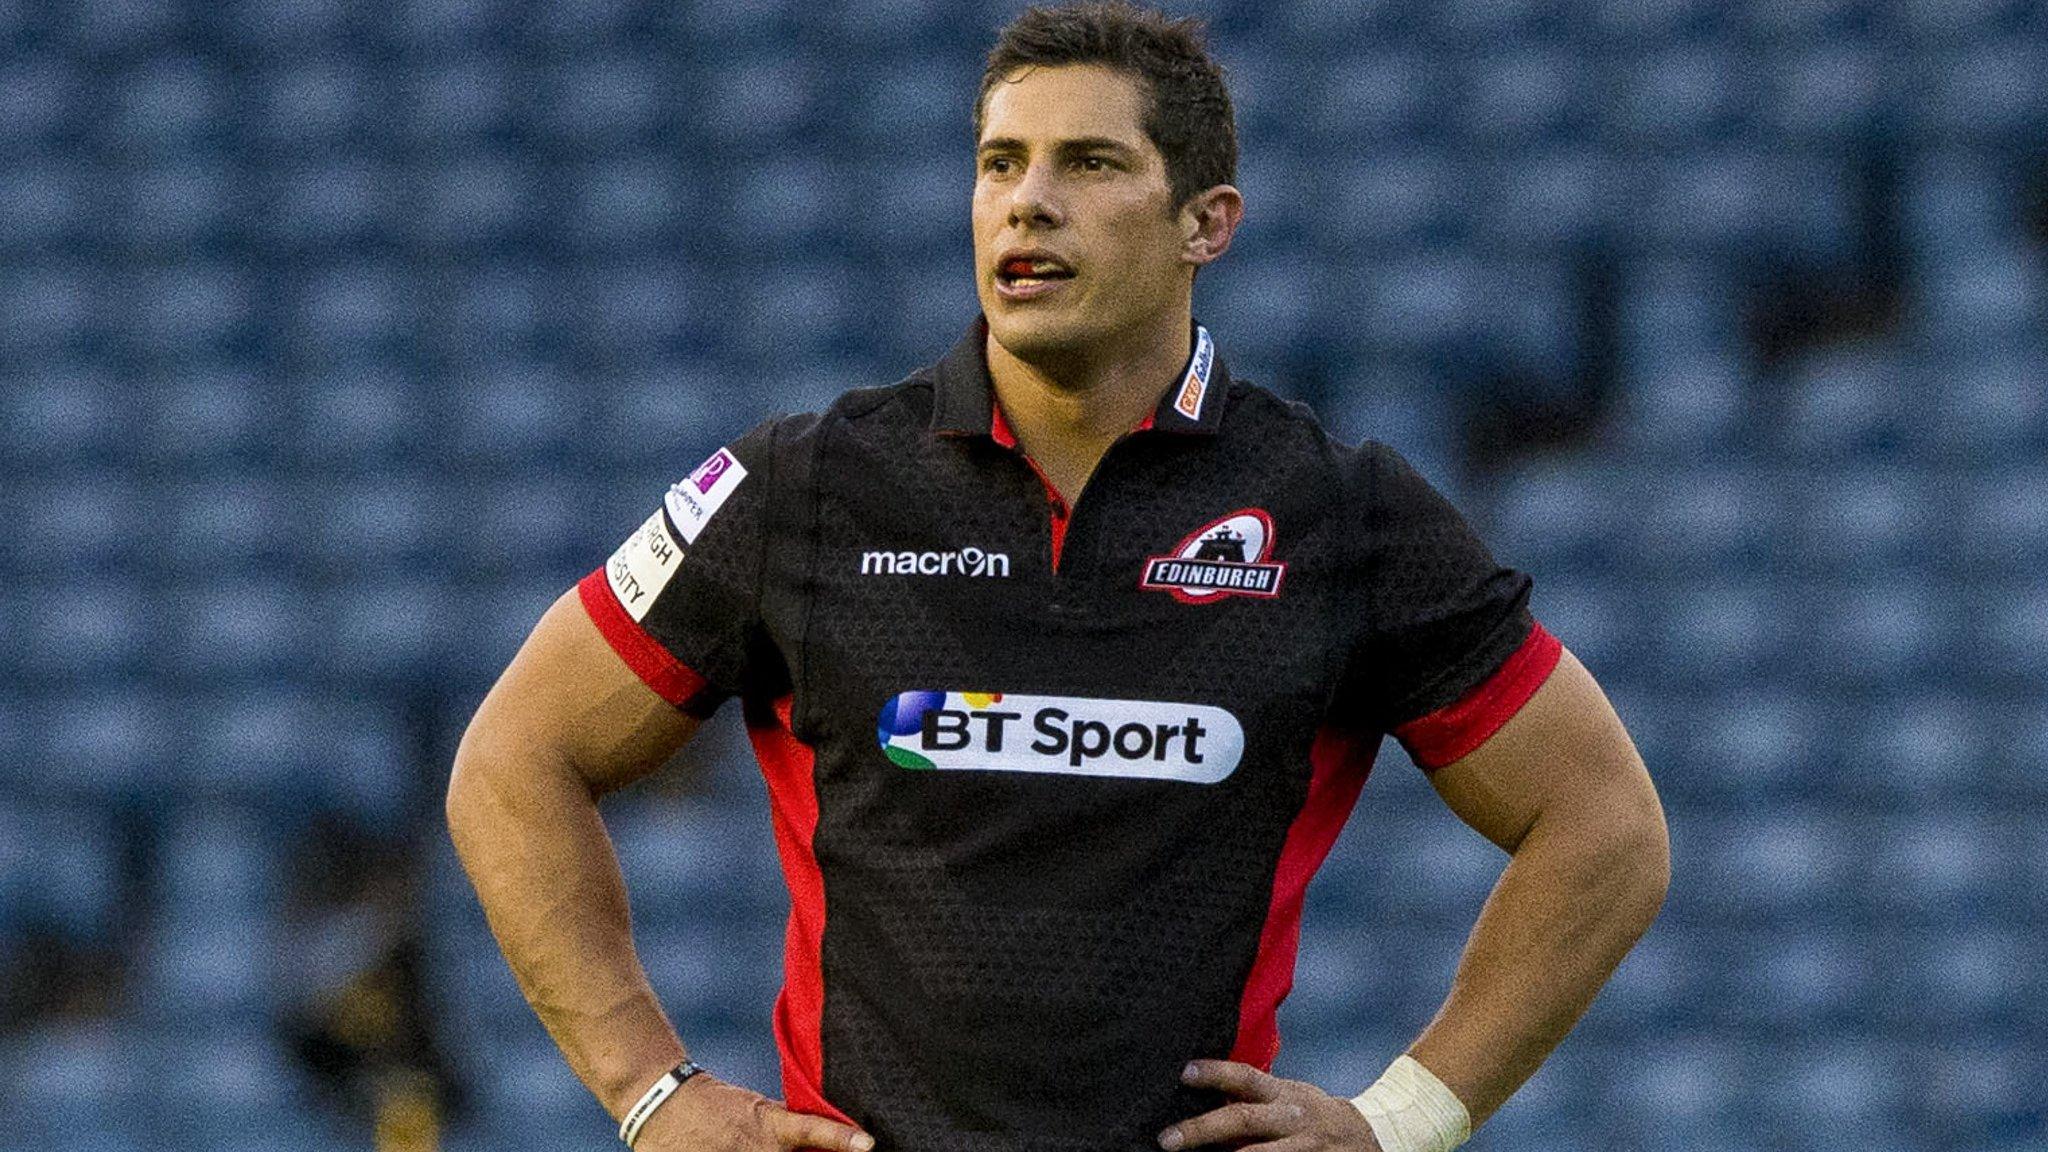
[660, 414]
[1861, 518]
[1827, 90]
[1373, 99]
[229, 1082]
[164, 105]
[1704, 519]
[689, 863]
[623, 203]
[1873, 633]
[90, 524]
[350, 306]
[353, 414]
[47, 1065]
[634, 308]
[218, 862]
[474, 202]
[1262, 304]
[1686, 407]
[1422, 304]
[1954, 201]
[1491, 22]
[1752, 741]
[190, 308]
[1846, 401]
[606, 101]
[1801, 23]
[322, 203]
[1686, 96]
[1985, 297]
[1673, 307]
[394, 521]
[781, 204]
[1525, 96]
[46, 307]
[1940, 864]
[47, 205]
[450, 101]
[1784, 860]
[1391, 200]
[209, 971]
[1842, 1086]
[1599, 621]
[43, 95]
[236, 628]
[1984, 93]
[913, 103]
[211, 415]
[298, 752]
[319, 101]
[1557, 198]
[919, 209]
[511, 411]
[61, 872]
[754, 99]
[1552, 516]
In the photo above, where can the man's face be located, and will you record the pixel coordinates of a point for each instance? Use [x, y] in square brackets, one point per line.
[1065, 172]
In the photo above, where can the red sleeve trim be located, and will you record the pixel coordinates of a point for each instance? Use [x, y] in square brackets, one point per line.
[1452, 732]
[671, 679]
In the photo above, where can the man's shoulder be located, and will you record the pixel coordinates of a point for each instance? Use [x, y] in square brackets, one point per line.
[907, 402]
[1276, 424]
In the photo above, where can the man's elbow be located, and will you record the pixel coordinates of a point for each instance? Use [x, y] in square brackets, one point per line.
[1636, 859]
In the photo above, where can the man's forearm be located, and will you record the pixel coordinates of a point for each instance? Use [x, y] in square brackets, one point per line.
[1569, 906]
[533, 844]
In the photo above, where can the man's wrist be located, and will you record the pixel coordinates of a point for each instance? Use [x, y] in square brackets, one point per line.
[658, 1094]
[1410, 1110]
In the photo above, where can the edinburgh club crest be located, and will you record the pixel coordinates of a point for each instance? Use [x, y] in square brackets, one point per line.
[1230, 556]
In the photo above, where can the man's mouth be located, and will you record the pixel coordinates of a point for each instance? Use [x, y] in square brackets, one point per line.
[1031, 271]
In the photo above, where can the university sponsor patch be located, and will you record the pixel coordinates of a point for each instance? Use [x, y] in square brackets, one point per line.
[692, 500]
[998, 732]
[1229, 556]
[642, 566]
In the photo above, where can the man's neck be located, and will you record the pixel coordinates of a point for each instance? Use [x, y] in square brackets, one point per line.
[1067, 414]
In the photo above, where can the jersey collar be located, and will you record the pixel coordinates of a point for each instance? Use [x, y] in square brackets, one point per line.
[964, 396]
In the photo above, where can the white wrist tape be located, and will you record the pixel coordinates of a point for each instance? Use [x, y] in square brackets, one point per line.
[1410, 1110]
[636, 1117]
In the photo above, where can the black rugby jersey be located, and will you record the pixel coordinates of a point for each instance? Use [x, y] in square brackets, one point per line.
[1048, 784]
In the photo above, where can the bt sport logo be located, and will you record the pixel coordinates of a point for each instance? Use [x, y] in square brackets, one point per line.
[999, 732]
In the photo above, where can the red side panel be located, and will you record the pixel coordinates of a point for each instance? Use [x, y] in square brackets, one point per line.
[787, 762]
[670, 678]
[1338, 765]
[1452, 732]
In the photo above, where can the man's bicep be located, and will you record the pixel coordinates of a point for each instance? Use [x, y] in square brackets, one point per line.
[1564, 752]
[569, 694]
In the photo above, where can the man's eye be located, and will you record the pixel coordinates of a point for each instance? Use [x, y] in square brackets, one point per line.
[1093, 163]
[997, 164]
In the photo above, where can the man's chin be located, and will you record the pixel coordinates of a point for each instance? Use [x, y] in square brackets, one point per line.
[1038, 336]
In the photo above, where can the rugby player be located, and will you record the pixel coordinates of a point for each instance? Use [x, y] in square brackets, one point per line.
[1065, 659]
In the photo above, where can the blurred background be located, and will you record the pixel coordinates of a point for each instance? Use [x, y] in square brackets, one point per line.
[337, 338]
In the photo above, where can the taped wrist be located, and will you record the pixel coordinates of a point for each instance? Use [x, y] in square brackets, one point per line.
[1410, 1110]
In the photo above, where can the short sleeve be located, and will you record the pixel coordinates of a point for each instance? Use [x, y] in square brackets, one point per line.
[1448, 651]
[679, 601]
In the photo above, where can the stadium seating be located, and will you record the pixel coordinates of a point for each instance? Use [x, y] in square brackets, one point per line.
[334, 345]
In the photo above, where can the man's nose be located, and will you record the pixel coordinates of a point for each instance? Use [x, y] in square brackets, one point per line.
[1035, 201]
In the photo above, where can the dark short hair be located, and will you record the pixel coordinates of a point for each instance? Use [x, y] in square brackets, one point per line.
[1187, 116]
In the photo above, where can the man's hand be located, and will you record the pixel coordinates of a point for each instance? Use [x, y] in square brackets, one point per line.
[1269, 1114]
[709, 1115]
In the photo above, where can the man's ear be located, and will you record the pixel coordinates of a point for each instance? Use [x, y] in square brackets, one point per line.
[1207, 221]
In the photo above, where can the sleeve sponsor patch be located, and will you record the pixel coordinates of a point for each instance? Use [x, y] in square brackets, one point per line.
[641, 567]
[691, 501]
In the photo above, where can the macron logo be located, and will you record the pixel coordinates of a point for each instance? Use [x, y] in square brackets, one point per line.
[959, 562]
